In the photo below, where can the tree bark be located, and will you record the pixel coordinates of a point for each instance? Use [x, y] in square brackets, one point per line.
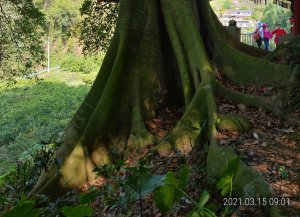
[155, 45]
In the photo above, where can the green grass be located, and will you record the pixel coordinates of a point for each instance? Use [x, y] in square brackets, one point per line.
[33, 113]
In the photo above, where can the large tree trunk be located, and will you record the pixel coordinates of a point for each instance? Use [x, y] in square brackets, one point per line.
[156, 46]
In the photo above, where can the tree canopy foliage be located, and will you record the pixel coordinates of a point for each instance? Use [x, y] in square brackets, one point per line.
[21, 38]
[98, 25]
[62, 17]
[275, 14]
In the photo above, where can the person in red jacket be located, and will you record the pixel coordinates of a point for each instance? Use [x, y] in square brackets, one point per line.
[278, 32]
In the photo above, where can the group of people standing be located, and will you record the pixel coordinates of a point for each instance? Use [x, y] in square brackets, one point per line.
[263, 35]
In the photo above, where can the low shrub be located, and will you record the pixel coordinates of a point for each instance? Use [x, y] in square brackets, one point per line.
[86, 65]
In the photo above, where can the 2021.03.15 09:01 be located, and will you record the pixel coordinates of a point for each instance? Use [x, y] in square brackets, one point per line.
[235, 201]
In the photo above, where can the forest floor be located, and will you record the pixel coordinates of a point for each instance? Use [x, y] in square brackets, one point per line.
[271, 147]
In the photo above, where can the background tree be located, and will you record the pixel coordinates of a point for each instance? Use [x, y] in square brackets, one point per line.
[98, 25]
[227, 4]
[64, 25]
[21, 38]
[163, 54]
[62, 18]
[275, 14]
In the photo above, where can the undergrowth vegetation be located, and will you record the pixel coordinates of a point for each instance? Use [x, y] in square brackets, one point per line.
[74, 63]
[122, 186]
[33, 114]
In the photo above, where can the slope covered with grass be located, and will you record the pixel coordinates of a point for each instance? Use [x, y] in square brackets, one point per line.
[33, 114]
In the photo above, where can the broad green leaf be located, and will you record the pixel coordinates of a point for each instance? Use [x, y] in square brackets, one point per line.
[77, 211]
[223, 181]
[89, 196]
[22, 209]
[225, 190]
[183, 177]
[195, 214]
[164, 196]
[224, 184]
[182, 182]
[201, 213]
[232, 166]
[204, 197]
[213, 207]
[145, 183]
[34, 213]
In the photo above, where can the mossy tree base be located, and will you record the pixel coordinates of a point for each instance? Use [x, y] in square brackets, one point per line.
[163, 53]
[233, 123]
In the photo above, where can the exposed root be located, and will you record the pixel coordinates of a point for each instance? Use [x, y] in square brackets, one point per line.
[248, 182]
[181, 140]
[184, 136]
[139, 136]
[295, 77]
[140, 140]
[243, 69]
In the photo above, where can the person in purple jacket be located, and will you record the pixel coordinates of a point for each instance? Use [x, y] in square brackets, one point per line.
[267, 35]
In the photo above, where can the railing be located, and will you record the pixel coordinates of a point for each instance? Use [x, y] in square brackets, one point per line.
[260, 1]
[282, 3]
[39, 72]
[247, 39]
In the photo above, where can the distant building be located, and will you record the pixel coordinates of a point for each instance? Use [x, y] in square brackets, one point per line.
[239, 16]
[237, 13]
